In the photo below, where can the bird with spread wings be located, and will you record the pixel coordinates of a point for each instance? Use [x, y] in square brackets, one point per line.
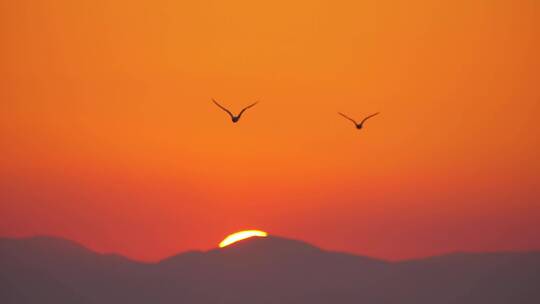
[359, 125]
[234, 118]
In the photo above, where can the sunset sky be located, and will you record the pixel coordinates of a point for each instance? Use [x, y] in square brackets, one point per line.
[108, 135]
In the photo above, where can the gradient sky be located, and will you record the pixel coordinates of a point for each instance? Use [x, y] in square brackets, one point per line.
[108, 136]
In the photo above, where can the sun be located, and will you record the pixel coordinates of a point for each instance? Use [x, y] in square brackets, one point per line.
[241, 235]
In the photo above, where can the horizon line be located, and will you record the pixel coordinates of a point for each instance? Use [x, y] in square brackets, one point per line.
[390, 261]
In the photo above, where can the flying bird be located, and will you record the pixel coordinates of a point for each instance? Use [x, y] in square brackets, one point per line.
[234, 118]
[361, 124]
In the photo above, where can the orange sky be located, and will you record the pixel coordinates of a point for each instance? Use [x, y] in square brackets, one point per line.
[108, 135]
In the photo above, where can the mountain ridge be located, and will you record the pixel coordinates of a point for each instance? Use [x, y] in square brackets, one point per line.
[75, 244]
[261, 270]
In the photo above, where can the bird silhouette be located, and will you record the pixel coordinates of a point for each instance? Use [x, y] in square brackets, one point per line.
[234, 118]
[361, 124]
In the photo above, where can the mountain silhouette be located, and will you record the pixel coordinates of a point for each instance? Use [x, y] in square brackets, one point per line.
[259, 270]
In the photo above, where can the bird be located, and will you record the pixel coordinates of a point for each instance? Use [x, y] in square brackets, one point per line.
[234, 118]
[361, 124]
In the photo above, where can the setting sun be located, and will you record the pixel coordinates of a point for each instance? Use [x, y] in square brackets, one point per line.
[241, 235]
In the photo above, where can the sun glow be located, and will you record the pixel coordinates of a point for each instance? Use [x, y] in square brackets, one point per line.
[241, 235]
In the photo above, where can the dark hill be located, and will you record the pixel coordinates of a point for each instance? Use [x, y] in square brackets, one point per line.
[259, 270]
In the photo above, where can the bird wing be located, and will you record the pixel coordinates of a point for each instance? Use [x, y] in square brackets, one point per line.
[369, 117]
[347, 117]
[222, 107]
[244, 109]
